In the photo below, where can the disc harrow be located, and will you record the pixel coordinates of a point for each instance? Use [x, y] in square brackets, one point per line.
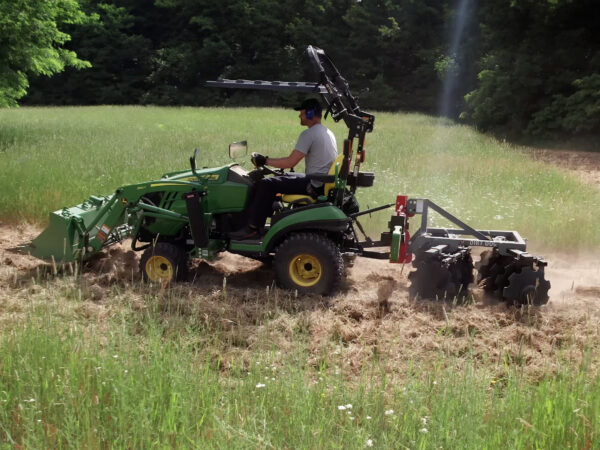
[442, 276]
[444, 265]
[517, 277]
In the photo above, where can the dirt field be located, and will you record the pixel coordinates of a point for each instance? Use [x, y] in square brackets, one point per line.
[371, 315]
[586, 165]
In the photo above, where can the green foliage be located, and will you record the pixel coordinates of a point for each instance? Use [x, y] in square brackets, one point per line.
[161, 52]
[539, 68]
[119, 56]
[32, 43]
[577, 113]
[523, 67]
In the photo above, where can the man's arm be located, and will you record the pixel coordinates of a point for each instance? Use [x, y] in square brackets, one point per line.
[287, 162]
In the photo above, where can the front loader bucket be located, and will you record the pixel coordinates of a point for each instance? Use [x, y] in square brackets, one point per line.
[70, 231]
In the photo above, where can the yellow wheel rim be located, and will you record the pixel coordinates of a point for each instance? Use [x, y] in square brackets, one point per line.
[305, 270]
[159, 268]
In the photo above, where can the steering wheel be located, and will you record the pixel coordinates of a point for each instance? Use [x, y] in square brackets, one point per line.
[264, 169]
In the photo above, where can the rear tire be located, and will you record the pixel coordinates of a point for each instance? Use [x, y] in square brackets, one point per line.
[163, 263]
[308, 262]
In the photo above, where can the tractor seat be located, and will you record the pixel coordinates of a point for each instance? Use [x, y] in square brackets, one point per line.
[304, 199]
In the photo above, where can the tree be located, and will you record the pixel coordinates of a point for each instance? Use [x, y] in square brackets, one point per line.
[539, 68]
[119, 54]
[32, 43]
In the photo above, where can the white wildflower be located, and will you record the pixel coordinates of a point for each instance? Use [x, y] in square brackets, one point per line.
[342, 407]
[260, 385]
[369, 443]
[369, 417]
[348, 406]
[389, 412]
[423, 430]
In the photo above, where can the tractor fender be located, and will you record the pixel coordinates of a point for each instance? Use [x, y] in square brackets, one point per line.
[335, 226]
[327, 218]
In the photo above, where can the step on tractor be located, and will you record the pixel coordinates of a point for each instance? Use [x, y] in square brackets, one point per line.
[191, 214]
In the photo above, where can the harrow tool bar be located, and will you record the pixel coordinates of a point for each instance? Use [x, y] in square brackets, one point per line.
[453, 238]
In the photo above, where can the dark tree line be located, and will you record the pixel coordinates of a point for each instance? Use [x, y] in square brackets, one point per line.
[518, 67]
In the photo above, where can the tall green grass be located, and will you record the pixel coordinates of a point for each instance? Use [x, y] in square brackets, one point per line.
[137, 381]
[55, 157]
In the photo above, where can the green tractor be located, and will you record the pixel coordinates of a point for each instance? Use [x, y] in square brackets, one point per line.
[189, 214]
[192, 213]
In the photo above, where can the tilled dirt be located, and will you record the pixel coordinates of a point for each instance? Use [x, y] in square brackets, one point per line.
[584, 165]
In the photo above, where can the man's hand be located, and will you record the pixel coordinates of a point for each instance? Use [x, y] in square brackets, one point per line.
[258, 160]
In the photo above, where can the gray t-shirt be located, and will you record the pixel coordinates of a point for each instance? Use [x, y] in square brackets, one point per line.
[319, 145]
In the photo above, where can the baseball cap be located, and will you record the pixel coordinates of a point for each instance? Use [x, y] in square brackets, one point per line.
[310, 103]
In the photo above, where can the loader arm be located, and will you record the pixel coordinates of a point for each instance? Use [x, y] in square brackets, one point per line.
[78, 232]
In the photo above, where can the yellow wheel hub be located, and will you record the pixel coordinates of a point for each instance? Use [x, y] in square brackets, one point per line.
[159, 268]
[305, 270]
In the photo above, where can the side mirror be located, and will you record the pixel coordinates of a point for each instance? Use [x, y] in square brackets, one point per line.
[193, 161]
[238, 149]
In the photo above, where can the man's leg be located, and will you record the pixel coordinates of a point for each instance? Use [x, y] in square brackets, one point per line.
[266, 191]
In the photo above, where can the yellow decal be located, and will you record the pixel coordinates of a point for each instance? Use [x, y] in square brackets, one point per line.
[208, 177]
[124, 201]
[164, 184]
[211, 177]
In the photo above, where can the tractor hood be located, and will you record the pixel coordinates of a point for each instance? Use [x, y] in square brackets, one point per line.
[209, 175]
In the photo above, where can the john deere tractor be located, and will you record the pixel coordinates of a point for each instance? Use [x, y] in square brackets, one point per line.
[191, 214]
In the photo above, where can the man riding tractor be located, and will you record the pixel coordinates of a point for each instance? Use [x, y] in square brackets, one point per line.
[317, 144]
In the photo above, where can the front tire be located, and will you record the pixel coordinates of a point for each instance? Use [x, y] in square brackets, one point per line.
[163, 263]
[308, 262]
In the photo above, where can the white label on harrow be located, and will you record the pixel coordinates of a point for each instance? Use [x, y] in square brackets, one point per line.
[419, 209]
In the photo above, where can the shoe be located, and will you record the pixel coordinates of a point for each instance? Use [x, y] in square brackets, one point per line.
[244, 234]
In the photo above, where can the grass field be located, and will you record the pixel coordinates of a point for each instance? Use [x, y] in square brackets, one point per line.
[191, 369]
[56, 157]
[94, 361]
